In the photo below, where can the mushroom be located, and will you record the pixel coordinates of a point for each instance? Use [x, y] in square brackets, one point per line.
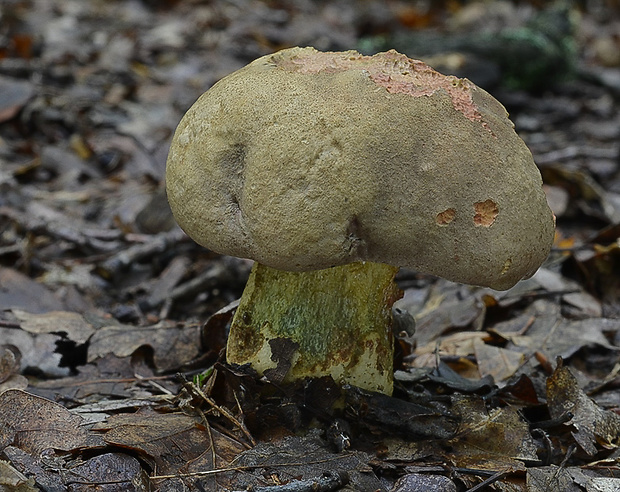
[332, 170]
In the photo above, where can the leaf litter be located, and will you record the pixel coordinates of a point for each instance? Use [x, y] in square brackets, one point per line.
[112, 322]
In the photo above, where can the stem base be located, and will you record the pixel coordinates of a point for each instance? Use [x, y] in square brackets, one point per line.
[335, 322]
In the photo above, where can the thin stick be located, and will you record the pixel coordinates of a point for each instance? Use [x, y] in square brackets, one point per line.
[248, 467]
[224, 411]
[492, 479]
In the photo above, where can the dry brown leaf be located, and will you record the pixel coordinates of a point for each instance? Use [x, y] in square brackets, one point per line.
[543, 479]
[19, 291]
[543, 328]
[447, 307]
[299, 458]
[176, 444]
[108, 377]
[574, 293]
[17, 381]
[173, 345]
[497, 362]
[120, 470]
[546, 478]
[35, 424]
[592, 424]
[15, 481]
[171, 440]
[72, 325]
[491, 439]
[10, 361]
[487, 439]
[460, 344]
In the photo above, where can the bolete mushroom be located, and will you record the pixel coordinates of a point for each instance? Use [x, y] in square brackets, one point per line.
[333, 169]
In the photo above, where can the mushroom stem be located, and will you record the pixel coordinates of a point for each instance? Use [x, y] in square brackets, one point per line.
[336, 322]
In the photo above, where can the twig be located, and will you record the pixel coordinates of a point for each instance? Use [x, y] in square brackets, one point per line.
[572, 152]
[248, 467]
[205, 281]
[9, 324]
[208, 427]
[222, 410]
[154, 384]
[492, 479]
[159, 243]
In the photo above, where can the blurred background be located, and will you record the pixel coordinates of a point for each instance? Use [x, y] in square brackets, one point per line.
[92, 90]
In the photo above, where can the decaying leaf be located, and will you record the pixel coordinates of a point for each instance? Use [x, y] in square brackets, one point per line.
[486, 439]
[418, 481]
[497, 362]
[173, 345]
[446, 308]
[109, 377]
[10, 360]
[180, 447]
[492, 439]
[409, 420]
[543, 479]
[19, 291]
[542, 327]
[14, 93]
[116, 469]
[35, 424]
[15, 481]
[299, 458]
[72, 325]
[592, 425]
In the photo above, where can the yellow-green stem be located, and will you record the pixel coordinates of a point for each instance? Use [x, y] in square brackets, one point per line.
[335, 322]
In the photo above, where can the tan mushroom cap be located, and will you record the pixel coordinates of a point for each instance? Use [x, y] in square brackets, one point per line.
[304, 160]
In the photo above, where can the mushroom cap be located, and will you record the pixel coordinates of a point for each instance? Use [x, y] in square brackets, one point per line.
[304, 160]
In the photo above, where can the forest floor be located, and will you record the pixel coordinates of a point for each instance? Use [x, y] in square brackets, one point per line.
[112, 374]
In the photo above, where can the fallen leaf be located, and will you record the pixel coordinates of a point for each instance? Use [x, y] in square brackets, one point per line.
[35, 424]
[173, 345]
[408, 420]
[17, 381]
[542, 328]
[38, 352]
[174, 443]
[459, 344]
[71, 325]
[10, 361]
[594, 480]
[497, 362]
[15, 481]
[491, 439]
[413, 482]
[13, 95]
[546, 478]
[447, 307]
[299, 458]
[106, 472]
[108, 377]
[19, 291]
[486, 439]
[592, 424]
